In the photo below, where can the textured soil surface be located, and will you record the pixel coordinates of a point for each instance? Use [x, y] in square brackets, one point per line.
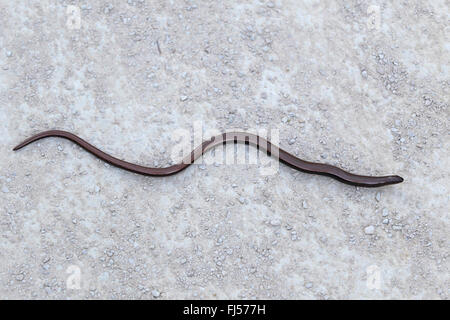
[363, 85]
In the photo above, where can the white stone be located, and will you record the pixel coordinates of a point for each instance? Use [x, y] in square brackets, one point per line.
[275, 222]
[155, 293]
[369, 230]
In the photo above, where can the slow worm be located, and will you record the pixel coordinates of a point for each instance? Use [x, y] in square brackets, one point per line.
[235, 137]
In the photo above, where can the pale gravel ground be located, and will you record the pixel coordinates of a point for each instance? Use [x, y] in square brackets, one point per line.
[371, 101]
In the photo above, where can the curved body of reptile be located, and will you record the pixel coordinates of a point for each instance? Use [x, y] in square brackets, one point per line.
[235, 137]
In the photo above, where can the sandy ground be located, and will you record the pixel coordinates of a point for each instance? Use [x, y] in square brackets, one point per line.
[358, 84]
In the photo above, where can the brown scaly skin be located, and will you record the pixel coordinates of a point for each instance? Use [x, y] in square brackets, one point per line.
[235, 137]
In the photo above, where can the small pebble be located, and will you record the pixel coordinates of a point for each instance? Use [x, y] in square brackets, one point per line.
[364, 74]
[8, 54]
[5, 189]
[155, 293]
[275, 222]
[369, 230]
[378, 197]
